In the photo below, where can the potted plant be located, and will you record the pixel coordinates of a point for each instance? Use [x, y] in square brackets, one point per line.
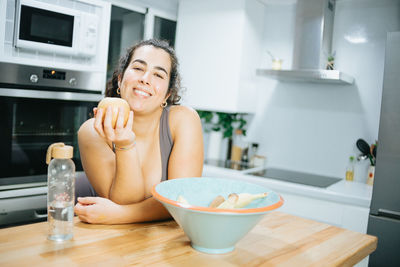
[221, 125]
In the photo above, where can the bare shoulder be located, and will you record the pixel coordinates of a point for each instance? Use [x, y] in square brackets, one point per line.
[88, 134]
[87, 128]
[183, 117]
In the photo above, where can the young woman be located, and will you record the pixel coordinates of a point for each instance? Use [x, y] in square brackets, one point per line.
[160, 141]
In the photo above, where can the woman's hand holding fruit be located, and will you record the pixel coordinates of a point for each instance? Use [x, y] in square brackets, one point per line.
[114, 121]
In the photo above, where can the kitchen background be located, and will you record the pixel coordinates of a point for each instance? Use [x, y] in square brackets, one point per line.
[314, 127]
[302, 126]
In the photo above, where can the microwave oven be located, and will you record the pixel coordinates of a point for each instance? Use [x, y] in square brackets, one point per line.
[52, 28]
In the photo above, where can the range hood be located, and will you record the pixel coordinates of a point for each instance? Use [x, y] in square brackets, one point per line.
[312, 45]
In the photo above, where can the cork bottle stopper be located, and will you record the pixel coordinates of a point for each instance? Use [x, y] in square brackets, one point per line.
[59, 151]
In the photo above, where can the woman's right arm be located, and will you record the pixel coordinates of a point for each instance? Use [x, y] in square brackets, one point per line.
[116, 176]
[97, 158]
[127, 182]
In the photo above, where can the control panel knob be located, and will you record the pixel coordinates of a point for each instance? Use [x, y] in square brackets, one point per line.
[72, 81]
[34, 78]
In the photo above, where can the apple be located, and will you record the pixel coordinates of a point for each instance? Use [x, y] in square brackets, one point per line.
[114, 102]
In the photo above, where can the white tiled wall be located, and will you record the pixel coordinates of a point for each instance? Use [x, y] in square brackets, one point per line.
[314, 127]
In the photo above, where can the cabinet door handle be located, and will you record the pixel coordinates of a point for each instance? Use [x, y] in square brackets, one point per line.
[389, 213]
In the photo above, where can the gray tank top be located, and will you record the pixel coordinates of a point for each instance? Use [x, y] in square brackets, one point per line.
[166, 142]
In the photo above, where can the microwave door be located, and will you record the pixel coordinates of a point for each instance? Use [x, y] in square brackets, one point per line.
[44, 26]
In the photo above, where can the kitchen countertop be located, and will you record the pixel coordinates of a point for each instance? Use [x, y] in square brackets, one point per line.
[278, 239]
[345, 192]
[353, 193]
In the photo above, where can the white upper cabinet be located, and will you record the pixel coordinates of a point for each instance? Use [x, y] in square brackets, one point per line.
[219, 47]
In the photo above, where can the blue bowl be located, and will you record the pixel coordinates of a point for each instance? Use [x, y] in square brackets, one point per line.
[213, 230]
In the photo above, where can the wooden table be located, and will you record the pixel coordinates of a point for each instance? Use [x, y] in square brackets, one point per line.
[278, 240]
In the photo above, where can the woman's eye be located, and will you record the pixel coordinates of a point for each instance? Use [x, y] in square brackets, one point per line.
[137, 68]
[158, 75]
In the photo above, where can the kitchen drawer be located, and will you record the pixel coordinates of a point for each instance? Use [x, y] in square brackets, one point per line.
[319, 210]
[23, 209]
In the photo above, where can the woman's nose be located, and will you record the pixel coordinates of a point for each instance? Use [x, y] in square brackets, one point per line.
[145, 78]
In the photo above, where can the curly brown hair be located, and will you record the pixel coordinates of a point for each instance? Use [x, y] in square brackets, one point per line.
[174, 86]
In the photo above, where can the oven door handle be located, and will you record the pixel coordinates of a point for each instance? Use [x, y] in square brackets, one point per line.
[39, 214]
[68, 96]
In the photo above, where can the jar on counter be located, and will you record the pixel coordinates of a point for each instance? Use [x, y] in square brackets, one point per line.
[238, 146]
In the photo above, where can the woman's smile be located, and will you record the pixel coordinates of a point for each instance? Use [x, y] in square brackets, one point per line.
[148, 77]
[141, 93]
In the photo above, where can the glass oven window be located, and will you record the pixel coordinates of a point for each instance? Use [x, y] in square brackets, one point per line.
[39, 25]
[29, 126]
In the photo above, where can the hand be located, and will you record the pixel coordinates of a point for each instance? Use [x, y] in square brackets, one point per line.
[97, 210]
[120, 136]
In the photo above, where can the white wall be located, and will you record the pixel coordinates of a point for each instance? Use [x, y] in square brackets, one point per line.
[278, 34]
[314, 127]
[165, 6]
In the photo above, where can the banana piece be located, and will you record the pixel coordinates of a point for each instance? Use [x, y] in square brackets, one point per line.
[246, 198]
[230, 202]
[234, 200]
[216, 202]
[182, 200]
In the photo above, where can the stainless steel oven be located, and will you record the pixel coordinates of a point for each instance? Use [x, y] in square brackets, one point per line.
[33, 117]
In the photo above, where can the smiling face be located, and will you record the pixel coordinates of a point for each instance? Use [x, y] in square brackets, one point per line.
[145, 81]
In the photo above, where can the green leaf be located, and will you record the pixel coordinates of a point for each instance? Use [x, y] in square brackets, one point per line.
[225, 122]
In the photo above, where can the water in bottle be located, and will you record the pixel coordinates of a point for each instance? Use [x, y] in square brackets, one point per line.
[61, 192]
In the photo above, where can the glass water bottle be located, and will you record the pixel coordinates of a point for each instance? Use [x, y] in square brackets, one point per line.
[61, 191]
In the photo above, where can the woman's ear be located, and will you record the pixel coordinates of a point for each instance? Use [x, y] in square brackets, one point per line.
[119, 81]
[167, 96]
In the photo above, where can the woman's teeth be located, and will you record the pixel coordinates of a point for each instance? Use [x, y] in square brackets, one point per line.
[142, 93]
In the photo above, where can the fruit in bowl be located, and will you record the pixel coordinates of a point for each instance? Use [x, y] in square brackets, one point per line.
[210, 228]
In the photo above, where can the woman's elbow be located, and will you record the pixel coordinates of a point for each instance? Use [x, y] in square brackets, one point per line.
[119, 199]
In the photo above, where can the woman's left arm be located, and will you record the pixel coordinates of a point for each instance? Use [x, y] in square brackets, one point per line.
[100, 210]
[187, 155]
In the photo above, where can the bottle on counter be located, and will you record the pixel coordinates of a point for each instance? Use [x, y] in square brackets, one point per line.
[253, 153]
[371, 175]
[350, 169]
[61, 191]
[245, 155]
[238, 146]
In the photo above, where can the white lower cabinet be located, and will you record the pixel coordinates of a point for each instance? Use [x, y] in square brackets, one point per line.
[347, 216]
